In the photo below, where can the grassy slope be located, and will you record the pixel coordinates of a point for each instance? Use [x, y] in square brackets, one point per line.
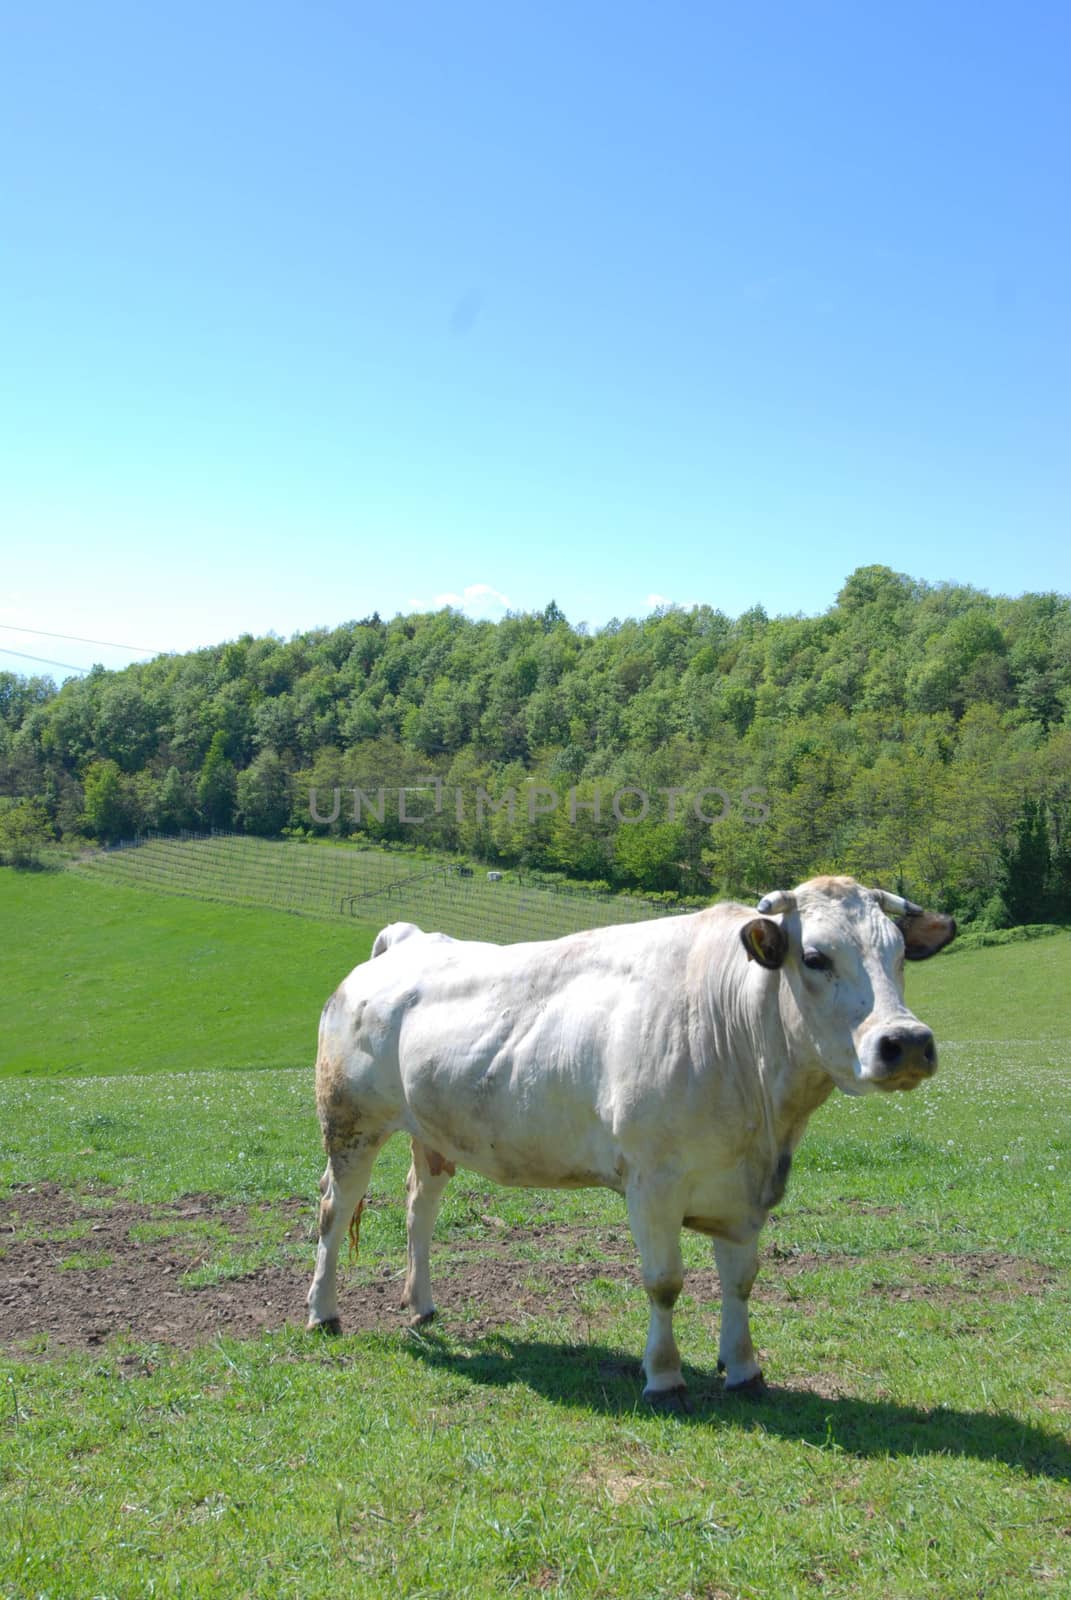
[1002, 992]
[918, 1445]
[96, 979]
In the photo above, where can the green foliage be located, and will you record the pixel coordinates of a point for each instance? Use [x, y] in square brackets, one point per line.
[898, 736]
[24, 830]
[217, 786]
[647, 854]
[993, 932]
[263, 795]
[177, 807]
[20, 696]
[1026, 867]
[108, 815]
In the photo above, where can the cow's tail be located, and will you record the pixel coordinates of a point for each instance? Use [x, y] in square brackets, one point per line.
[355, 1230]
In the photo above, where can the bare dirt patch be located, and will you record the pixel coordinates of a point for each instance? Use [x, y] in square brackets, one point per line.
[120, 1284]
[76, 1270]
[990, 1272]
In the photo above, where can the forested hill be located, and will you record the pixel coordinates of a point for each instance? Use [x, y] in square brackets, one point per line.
[915, 735]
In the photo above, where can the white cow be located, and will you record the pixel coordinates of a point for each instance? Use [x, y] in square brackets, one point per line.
[676, 1062]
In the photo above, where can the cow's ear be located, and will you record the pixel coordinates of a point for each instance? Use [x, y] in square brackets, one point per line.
[765, 942]
[926, 933]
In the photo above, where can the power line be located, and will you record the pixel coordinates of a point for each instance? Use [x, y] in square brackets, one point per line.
[44, 660]
[75, 638]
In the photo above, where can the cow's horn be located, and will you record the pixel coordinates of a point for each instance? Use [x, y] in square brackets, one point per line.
[895, 904]
[773, 904]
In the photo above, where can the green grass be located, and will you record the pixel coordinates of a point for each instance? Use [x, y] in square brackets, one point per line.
[1010, 992]
[387, 1468]
[95, 978]
[915, 1443]
[84, 1261]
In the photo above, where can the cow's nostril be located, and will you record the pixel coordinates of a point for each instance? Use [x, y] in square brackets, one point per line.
[907, 1050]
[891, 1050]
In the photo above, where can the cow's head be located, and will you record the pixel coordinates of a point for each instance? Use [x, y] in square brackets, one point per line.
[841, 957]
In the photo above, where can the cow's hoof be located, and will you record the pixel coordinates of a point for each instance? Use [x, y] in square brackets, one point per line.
[751, 1388]
[668, 1399]
[420, 1319]
[330, 1325]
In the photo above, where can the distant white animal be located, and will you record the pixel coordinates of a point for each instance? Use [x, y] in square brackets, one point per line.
[676, 1062]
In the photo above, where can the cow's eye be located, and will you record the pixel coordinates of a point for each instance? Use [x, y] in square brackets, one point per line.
[817, 961]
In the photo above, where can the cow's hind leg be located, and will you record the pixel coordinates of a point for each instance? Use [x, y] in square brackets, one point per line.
[343, 1188]
[737, 1267]
[429, 1174]
[656, 1228]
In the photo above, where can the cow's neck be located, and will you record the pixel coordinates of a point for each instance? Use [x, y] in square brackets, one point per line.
[739, 1020]
[795, 1092]
[794, 1084]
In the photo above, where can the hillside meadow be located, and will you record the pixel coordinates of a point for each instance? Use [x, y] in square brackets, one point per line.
[158, 1132]
[102, 979]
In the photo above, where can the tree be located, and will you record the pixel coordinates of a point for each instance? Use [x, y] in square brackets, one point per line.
[962, 661]
[647, 853]
[1027, 863]
[24, 828]
[875, 586]
[263, 795]
[275, 724]
[217, 785]
[734, 859]
[1060, 866]
[736, 703]
[581, 843]
[125, 726]
[19, 696]
[106, 814]
[175, 809]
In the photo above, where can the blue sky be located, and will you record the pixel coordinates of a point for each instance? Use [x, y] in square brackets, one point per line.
[316, 309]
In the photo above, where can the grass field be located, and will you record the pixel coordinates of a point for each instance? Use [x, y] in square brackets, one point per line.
[912, 1312]
[97, 979]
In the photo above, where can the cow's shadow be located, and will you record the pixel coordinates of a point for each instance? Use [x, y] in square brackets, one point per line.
[608, 1381]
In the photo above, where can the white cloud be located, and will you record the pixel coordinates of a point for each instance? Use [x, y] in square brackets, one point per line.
[477, 599]
[654, 600]
[476, 591]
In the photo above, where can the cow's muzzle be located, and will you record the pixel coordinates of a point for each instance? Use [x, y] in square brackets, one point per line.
[905, 1057]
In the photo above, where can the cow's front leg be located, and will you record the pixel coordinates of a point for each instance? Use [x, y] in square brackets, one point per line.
[428, 1176]
[737, 1267]
[655, 1220]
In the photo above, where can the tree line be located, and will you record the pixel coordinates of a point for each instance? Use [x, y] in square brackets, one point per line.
[915, 735]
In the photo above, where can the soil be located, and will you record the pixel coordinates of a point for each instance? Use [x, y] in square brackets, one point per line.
[480, 1285]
